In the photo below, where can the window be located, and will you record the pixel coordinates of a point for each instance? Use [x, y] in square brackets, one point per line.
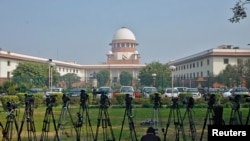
[8, 63]
[201, 74]
[207, 61]
[193, 65]
[197, 64]
[226, 61]
[201, 63]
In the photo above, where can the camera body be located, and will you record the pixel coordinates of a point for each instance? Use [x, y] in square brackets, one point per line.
[29, 99]
[50, 99]
[11, 105]
[189, 101]
[65, 99]
[104, 101]
[128, 99]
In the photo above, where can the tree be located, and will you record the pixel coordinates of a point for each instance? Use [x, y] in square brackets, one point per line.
[162, 78]
[70, 78]
[30, 74]
[126, 78]
[103, 78]
[239, 12]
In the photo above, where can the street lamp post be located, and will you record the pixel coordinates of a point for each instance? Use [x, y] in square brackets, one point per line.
[172, 80]
[154, 77]
[51, 65]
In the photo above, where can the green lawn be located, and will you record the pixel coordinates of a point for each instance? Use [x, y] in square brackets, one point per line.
[116, 116]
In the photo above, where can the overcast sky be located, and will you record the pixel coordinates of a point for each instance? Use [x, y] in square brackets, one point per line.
[81, 30]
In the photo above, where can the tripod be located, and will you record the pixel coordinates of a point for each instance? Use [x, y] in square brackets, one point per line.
[103, 118]
[235, 112]
[11, 122]
[177, 121]
[128, 113]
[209, 114]
[64, 129]
[155, 113]
[84, 113]
[47, 118]
[28, 117]
[188, 112]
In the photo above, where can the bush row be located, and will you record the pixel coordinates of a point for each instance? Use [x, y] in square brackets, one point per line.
[118, 100]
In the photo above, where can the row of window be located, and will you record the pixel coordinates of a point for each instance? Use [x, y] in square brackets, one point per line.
[124, 45]
[191, 65]
[190, 75]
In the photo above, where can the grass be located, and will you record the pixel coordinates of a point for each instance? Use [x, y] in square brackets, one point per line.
[116, 116]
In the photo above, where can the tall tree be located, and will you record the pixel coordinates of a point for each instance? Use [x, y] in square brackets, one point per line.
[162, 78]
[32, 74]
[70, 78]
[126, 78]
[103, 78]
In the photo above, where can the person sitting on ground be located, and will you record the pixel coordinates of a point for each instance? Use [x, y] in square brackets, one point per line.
[150, 135]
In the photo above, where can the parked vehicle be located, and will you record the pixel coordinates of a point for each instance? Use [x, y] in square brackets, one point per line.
[146, 91]
[227, 93]
[127, 90]
[240, 91]
[75, 92]
[104, 90]
[171, 92]
[195, 92]
[181, 89]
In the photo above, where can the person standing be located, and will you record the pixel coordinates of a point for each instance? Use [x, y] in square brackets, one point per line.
[150, 135]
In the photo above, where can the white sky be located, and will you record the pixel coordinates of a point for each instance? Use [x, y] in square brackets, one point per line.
[80, 30]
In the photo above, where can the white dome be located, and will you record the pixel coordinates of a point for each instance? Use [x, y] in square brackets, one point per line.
[124, 33]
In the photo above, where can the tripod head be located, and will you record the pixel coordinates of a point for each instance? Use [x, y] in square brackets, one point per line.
[156, 100]
[65, 100]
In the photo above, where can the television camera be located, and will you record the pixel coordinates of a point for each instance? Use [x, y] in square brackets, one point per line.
[65, 99]
[50, 99]
[29, 99]
[211, 100]
[156, 98]
[10, 105]
[189, 101]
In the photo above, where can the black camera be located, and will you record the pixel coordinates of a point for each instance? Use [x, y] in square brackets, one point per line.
[104, 100]
[189, 101]
[156, 98]
[128, 99]
[247, 99]
[235, 98]
[50, 99]
[29, 99]
[65, 99]
[211, 100]
[84, 96]
[11, 105]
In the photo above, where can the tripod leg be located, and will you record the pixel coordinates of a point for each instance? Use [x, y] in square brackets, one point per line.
[98, 123]
[125, 113]
[248, 116]
[180, 125]
[167, 125]
[205, 122]
[107, 119]
[89, 123]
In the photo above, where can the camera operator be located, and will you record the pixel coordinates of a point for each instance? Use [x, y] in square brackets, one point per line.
[150, 135]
